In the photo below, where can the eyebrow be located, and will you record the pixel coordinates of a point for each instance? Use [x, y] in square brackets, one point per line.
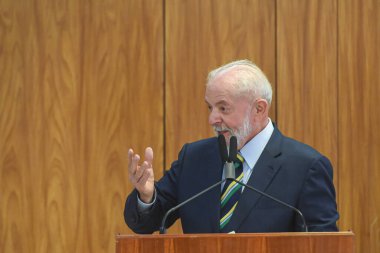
[222, 102]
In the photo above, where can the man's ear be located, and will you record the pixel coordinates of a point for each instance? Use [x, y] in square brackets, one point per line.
[261, 107]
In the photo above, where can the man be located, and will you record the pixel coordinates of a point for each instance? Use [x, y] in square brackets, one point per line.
[238, 96]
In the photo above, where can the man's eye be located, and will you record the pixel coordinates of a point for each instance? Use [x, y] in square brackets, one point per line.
[223, 109]
[209, 107]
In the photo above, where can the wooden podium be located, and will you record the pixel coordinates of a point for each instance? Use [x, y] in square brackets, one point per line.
[329, 242]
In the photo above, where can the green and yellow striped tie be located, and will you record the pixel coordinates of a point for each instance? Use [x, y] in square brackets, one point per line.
[231, 194]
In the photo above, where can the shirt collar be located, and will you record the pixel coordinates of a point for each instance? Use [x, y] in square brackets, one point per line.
[252, 150]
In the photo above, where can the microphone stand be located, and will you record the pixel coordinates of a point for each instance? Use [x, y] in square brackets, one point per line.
[163, 227]
[275, 200]
[229, 175]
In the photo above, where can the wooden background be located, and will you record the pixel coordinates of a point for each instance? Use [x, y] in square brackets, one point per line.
[81, 81]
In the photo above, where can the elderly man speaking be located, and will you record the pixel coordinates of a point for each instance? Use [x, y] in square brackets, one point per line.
[238, 96]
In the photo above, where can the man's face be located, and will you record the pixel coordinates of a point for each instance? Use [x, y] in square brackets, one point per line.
[229, 114]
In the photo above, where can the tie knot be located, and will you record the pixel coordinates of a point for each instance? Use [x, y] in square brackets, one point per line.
[239, 162]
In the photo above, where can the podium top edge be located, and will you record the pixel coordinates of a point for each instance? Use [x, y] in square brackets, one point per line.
[283, 234]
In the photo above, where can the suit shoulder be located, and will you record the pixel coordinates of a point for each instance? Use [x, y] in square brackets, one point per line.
[204, 143]
[296, 154]
[200, 148]
[296, 148]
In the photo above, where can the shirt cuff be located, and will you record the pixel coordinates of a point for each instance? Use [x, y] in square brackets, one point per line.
[143, 207]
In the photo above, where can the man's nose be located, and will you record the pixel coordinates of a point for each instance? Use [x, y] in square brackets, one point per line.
[214, 117]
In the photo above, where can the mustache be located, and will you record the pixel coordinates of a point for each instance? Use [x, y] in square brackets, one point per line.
[222, 129]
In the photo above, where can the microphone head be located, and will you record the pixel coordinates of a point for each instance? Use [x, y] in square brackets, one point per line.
[233, 149]
[223, 148]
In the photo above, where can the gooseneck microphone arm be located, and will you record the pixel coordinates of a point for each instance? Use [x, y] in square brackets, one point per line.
[275, 200]
[229, 174]
[163, 225]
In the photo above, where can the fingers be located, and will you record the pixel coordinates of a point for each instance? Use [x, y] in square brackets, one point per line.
[149, 155]
[140, 174]
[140, 171]
[144, 182]
[143, 173]
[133, 160]
[130, 155]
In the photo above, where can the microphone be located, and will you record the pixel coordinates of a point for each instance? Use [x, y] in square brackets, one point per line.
[229, 168]
[223, 148]
[232, 156]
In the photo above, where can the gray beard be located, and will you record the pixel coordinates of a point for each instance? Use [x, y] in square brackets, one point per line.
[241, 133]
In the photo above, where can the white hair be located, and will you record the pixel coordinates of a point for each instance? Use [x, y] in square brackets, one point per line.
[248, 81]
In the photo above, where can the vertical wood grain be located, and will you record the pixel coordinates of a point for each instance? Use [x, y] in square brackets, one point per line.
[359, 121]
[200, 36]
[122, 91]
[307, 73]
[40, 201]
[81, 81]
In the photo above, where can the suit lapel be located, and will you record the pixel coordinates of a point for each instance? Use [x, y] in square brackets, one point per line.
[263, 173]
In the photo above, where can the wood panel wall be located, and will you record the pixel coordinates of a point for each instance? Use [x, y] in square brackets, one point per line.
[82, 81]
[307, 73]
[359, 121]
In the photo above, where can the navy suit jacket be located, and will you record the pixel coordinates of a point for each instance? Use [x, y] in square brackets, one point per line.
[288, 170]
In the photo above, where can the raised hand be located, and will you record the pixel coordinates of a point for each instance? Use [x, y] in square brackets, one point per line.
[142, 176]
